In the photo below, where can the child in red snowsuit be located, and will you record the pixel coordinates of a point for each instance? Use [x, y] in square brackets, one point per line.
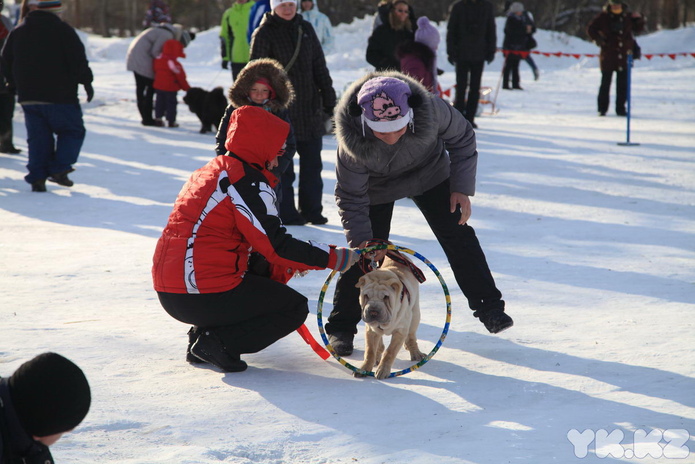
[169, 78]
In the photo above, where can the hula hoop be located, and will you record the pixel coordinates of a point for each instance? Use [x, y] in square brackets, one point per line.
[416, 366]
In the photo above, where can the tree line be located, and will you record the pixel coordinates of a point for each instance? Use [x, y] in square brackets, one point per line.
[124, 17]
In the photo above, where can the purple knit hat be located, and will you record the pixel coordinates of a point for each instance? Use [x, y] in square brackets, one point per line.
[426, 33]
[384, 102]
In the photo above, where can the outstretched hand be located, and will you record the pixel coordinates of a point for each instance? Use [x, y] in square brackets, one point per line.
[460, 201]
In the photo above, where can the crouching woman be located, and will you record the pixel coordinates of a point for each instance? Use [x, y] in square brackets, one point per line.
[223, 260]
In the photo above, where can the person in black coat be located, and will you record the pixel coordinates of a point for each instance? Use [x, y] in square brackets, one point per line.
[516, 34]
[280, 34]
[385, 39]
[471, 40]
[44, 61]
[43, 399]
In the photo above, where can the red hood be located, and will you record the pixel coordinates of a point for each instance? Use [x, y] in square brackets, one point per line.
[173, 48]
[256, 135]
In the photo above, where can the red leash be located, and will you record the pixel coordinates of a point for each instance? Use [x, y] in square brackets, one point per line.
[311, 341]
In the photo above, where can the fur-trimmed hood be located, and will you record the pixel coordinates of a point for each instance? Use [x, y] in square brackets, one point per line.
[369, 150]
[440, 146]
[271, 70]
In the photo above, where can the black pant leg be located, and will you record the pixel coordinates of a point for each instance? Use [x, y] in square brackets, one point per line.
[7, 104]
[346, 312]
[474, 90]
[620, 91]
[144, 92]
[604, 92]
[462, 249]
[462, 71]
[248, 318]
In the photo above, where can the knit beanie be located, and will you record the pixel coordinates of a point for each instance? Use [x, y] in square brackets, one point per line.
[50, 395]
[384, 103]
[275, 3]
[53, 6]
[517, 7]
[426, 33]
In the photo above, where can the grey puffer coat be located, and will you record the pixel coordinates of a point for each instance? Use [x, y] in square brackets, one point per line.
[371, 172]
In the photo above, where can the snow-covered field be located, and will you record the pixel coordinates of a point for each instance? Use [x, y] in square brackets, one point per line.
[592, 244]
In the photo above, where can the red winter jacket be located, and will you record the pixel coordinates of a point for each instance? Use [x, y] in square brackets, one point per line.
[226, 210]
[168, 72]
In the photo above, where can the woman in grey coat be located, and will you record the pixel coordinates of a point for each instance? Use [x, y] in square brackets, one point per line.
[140, 58]
[397, 140]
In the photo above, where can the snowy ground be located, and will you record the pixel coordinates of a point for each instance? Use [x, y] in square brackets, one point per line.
[592, 244]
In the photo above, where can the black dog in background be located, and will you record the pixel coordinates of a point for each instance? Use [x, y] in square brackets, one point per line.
[208, 106]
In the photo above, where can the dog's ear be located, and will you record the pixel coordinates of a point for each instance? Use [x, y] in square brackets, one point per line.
[360, 283]
[396, 285]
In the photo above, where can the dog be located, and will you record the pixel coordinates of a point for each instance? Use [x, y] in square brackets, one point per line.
[390, 302]
[209, 106]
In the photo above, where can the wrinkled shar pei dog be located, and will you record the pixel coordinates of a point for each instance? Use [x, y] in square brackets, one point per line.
[390, 302]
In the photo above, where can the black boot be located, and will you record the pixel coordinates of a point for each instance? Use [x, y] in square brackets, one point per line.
[495, 320]
[38, 185]
[210, 348]
[341, 343]
[193, 335]
[61, 178]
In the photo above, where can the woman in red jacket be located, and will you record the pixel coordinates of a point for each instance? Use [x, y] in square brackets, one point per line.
[224, 258]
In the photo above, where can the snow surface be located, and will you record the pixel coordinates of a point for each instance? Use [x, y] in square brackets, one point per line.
[592, 244]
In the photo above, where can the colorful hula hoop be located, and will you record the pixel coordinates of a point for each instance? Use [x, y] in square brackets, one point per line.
[416, 366]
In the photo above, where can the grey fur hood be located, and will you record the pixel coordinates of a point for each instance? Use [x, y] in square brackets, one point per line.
[440, 145]
[267, 68]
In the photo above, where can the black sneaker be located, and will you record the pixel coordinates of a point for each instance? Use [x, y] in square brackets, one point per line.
[193, 335]
[495, 320]
[341, 343]
[61, 178]
[38, 185]
[210, 348]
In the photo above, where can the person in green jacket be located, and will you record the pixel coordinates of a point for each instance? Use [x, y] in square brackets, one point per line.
[233, 29]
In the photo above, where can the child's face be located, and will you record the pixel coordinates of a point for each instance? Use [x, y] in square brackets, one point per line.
[259, 93]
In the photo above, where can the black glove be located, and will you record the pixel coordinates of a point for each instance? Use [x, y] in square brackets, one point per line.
[440, 72]
[452, 60]
[90, 92]
[490, 58]
[225, 64]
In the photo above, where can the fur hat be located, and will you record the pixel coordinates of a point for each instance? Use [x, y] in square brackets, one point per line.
[384, 103]
[275, 3]
[53, 6]
[50, 395]
[516, 7]
[426, 33]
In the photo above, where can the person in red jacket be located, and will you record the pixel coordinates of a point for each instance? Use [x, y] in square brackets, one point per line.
[224, 258]
[169, 78]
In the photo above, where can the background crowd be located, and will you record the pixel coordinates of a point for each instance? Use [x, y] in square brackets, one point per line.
[400, 41]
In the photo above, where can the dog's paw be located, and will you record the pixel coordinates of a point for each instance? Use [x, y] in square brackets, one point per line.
[382, 373]
[357, 375]
[417, 356]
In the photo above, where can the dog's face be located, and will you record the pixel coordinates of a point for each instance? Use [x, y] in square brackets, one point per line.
[380, 296]
[194, 99]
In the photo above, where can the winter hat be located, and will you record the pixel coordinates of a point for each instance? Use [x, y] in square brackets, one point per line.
[53, 6]
[50, 395]
[517, 7]
[275, 3]
[186, 37]
[426, 33]
[384, 103]
[32, 2]
[266, 82]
